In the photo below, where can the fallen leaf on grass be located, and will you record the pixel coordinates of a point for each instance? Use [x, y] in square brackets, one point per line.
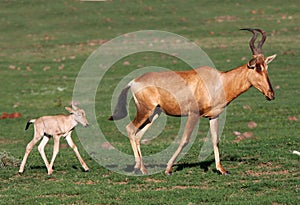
[247, 107]
[252, 124]
[6, 115]
[46, 37]
[293, 118]
[96, 42]
[28, 69]
[248, 134]
[221, 19]
[17, 104]
[126, 63]
[237, 133]
[260, 11]
[12, 67]
[107, 145]
[46, 68]
[145, 141]
[243, 136]
[61, 66]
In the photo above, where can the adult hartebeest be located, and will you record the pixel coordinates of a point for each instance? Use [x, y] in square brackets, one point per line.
[201, 92]
[56, 126]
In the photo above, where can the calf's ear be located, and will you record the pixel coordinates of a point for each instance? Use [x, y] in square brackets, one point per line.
[70, 110]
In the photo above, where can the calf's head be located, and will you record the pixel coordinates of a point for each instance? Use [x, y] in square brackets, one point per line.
[79, 115]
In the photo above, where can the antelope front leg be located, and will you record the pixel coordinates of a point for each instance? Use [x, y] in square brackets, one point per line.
[189, 127]
[137, 157]
[74, 147]
[215, 140]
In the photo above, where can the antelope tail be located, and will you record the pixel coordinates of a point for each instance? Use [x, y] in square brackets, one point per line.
[29, 122]
[120, 111]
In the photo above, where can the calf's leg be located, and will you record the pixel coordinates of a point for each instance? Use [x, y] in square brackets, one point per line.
[74, 147]
[29, 147]
[41, 149]
[55, 152]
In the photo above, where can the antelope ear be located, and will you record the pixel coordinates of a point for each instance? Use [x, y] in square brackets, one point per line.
[270, 59]
[74, 107]
[70, 110]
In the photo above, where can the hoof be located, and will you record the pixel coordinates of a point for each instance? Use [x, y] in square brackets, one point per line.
[144, 172]
[168, 173]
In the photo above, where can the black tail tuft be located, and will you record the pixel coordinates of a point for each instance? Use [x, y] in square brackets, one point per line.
[111, 118]
[120, 110]
[28, 123]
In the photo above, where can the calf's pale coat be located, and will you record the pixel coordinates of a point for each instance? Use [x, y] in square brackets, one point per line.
[56, 126]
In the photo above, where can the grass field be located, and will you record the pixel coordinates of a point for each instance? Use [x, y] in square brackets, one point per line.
[43, 45]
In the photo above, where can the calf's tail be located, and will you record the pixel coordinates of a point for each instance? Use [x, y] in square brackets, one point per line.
[29, 123]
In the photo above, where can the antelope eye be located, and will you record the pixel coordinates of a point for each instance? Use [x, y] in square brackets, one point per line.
[258, 68]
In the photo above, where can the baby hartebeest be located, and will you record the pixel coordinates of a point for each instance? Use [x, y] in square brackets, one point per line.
[201, 92]
[56, 126]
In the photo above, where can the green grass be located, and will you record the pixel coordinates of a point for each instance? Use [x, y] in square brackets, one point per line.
[43, 45]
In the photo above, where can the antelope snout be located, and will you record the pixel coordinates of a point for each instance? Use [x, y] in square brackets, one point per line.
[84, 123]
[270, 95]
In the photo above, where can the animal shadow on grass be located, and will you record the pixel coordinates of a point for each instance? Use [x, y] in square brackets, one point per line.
[152, 166]
[42, 167]
[76, 167]
[37, 167]
[178, 167]
[206, 164]
[203, 165]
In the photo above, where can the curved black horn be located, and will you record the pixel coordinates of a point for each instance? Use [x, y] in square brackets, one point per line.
[251, 42]
[261, 42]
